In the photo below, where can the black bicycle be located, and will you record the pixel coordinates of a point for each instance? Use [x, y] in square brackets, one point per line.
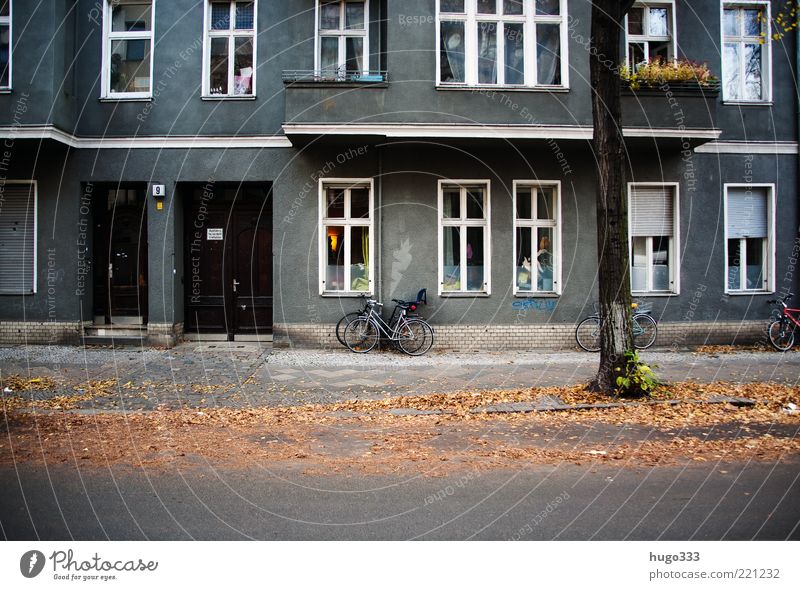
[411, 311]
[645, 330]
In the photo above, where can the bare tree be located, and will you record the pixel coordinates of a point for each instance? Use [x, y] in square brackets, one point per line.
[612, 211]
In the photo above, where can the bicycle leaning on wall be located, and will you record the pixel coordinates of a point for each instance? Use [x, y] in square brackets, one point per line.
[781, 328]
[645, 329]
[412, 335]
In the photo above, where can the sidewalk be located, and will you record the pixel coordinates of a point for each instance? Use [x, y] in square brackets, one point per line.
[244, 375]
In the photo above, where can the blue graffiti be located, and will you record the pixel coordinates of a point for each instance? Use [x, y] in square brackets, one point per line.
[534, 304]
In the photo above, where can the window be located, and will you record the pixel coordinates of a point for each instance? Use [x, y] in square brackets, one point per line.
[464, 236]
[536, 237]
[342, 40]
[746, 52]
[5, 44]
[749, 220]
[18, 237]
[346, 250]
[502, 42]
[127, 57]
[230, 49]
[650, 32]
[653, 221]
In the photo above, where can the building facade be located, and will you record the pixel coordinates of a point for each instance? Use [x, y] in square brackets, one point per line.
[247, 169]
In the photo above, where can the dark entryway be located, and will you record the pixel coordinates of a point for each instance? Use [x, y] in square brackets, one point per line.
[120, 254]
[228, 272]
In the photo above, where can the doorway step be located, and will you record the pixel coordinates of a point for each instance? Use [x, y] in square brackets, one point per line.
[114, 334]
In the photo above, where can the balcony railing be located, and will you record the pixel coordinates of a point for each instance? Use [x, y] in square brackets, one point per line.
[335, 77]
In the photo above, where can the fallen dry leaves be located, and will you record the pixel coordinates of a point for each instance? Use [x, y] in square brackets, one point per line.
[360, 435]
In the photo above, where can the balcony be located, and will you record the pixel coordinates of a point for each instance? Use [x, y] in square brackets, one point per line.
[336, 78]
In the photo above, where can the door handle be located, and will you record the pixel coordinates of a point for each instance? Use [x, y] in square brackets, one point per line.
[235, 284]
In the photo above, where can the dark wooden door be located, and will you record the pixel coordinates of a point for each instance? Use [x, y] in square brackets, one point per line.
[229, 261]
[120, 254]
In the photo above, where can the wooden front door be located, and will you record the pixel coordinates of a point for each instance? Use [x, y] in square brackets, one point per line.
[229, 260]
[120, 254]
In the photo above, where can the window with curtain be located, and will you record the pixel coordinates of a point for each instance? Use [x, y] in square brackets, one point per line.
[342, 38]
[745, 52]
[501, 42]
[749, 219]
[230, 49]
[649, 32]
[652, 226]
[127, 52]
[536, 245]
[346, 230]
[464, 237]
[5, 44]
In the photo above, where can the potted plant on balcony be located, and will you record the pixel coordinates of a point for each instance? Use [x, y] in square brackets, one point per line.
[678, 74]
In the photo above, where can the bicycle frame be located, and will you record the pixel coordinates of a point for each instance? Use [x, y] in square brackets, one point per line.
[383, 327]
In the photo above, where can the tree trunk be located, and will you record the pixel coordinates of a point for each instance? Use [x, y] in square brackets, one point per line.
[612, 210]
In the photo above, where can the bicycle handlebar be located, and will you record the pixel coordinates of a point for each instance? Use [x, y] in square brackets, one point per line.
[784, 300]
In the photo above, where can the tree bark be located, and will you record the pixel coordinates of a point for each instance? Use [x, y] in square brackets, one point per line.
[612, 210]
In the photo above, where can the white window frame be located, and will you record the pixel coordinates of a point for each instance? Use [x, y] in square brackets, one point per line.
[231, 35]
[35, 282]
[471, 18]
[674, 250]
[8, 20]
[769, 246]
[646, 39]
[109, 37]
[463, 222]
[341, 34]
[766, 74]
[534, 224]
[347, 223]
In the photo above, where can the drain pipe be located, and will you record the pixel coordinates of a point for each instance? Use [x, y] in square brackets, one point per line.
[797, 96]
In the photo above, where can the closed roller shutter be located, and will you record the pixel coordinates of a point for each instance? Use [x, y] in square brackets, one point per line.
[652, 211]
[747, 212]
[17, 237]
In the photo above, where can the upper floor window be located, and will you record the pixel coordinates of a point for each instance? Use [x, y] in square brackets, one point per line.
[749, 223]
[229, 49]
[346, 250]
[746, 52]
[5, 44]
[127, 48]
[536, 237]
[653, 223]
[502, 42]
[342, 38]
[650, 32]
[464, 237]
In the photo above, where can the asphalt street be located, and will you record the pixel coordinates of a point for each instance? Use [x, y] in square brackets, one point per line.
[753, 500]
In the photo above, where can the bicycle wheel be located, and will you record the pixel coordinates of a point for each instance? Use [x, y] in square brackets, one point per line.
[361, 335]
[342, 324]
[587, 334]
[645, 331]
[781, 335]
[415, 337]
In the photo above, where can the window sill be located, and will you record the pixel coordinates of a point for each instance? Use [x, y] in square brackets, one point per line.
[349, 294]
[654, 293]
[463, 294]
[482, 89]
[537, 295]
[126, 99]
[747, 103]
[750, 292]
[228, 97]
[6, 90]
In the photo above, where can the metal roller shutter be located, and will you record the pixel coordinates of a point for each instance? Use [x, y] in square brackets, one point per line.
[17, 237]
[652, 211]
[747, 212]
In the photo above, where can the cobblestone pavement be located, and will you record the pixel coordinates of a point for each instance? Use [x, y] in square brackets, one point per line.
[245, 374]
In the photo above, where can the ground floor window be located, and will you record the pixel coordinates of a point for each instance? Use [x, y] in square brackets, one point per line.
[748, 229]
[536, 237]
[346, 250]
[18, 237]
[653, 214]
[464, 237]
